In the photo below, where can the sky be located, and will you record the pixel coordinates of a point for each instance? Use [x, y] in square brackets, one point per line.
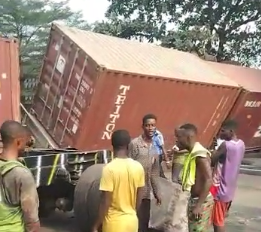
[93, 10]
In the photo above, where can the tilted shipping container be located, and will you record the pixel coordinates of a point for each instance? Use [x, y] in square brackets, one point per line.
[9, 80]
[247, 110]
[92, 84]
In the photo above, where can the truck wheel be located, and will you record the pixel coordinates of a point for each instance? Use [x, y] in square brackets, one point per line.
[46, 207]
[87, 197]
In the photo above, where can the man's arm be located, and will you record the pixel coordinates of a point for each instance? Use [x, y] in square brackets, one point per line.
[141, 184]
[164, 153]
[203, 165]
[106, 186]
[176, 151]
[133, 150]
[218, 153]
[154, 178]
[162, 145]
[28, 199]
[106, 199]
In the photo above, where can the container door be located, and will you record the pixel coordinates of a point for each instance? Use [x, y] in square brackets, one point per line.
[65, 90]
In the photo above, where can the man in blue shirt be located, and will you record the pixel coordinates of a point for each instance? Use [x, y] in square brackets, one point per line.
[158, 143]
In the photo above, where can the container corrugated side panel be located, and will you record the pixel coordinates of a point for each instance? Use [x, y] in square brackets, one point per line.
[247, 112]
[125, 99]
[9, 80]
[66, 86]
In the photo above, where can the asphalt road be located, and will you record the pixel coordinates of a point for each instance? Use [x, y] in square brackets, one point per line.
[245, 214]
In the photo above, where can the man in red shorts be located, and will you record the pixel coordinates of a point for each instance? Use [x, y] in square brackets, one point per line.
[229, 155]
[217, 167]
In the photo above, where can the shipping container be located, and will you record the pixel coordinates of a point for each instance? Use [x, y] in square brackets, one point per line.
[247, 110]
[92, 84]
[9, 80]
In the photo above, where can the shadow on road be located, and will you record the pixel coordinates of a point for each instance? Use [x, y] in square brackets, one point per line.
[58, 222]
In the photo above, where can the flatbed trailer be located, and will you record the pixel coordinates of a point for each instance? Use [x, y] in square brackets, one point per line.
[56, 173]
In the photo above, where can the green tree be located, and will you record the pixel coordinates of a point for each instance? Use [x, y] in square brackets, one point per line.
[227, 29]
[29, 21]
[128, 28]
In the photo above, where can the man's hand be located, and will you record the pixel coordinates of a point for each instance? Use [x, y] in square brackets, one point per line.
[197, 212]
[95, 228]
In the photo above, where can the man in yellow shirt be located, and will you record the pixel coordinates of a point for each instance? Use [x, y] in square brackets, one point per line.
[121, 183]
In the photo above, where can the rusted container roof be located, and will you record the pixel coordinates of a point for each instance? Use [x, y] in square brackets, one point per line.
[143, 58]
[247, 78]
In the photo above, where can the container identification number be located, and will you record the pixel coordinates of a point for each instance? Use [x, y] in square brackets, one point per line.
[120, 100]
[253, 104]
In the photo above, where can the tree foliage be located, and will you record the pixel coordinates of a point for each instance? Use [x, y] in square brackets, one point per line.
[29, 21]
[128, 28]
[227, 29]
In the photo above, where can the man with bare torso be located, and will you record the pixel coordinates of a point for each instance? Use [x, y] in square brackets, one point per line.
[196, 178]
[18, 196]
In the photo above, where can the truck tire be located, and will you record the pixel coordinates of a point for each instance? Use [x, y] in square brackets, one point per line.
[87, 197]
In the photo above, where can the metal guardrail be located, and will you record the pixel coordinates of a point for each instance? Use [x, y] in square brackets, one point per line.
[253, 149]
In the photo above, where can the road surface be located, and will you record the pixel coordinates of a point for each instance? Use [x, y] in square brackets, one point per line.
[245, 214]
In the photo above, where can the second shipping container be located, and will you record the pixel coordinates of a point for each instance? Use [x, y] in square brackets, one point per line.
[92, 84]
[247, 110]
